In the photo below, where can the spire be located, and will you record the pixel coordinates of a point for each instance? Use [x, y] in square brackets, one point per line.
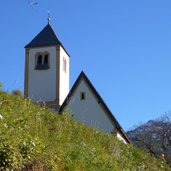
[48, 18]
[46, 37]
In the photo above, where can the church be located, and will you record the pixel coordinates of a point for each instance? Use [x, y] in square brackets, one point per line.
[46, 80]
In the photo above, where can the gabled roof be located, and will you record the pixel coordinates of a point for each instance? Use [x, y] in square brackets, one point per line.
[46, 37]
[82, 76]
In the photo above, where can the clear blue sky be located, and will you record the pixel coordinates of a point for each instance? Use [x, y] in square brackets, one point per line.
[123, 46]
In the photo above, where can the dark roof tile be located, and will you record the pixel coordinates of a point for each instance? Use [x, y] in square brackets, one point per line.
[45, 38]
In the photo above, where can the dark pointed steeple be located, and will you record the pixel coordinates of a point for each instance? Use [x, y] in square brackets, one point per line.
[46, 37]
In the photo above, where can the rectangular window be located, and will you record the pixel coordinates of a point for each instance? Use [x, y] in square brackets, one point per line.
[82, 95]
[64, 64]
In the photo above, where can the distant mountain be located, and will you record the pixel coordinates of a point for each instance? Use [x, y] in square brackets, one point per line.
[155, 137]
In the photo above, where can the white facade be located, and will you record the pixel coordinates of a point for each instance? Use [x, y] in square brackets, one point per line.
[42, 83]
[85, 105]
[50, 84]
[89, 111]
[64, 75]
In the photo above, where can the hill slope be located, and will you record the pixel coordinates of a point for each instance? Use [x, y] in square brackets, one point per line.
[33, 138]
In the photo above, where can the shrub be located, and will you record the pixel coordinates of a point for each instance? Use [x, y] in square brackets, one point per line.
[18, 93]
[9, 156]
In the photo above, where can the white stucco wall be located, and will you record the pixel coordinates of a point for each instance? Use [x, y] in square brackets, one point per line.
[64, 76]
[88, 110]
[42, 83]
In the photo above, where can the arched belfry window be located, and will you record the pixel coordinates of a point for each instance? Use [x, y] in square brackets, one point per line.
[46, 60]
[42, 61]
[39, 60]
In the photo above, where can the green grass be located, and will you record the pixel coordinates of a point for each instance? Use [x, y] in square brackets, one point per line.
[34, 138]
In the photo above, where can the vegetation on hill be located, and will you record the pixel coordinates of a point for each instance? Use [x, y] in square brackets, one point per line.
[34, 138]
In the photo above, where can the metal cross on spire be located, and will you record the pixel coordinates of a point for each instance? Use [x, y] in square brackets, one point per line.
[48, 17]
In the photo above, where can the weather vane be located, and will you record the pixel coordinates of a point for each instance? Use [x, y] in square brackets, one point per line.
[48, 17]
[32, 3]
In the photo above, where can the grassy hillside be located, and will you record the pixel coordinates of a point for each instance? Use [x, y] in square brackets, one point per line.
[33, 138]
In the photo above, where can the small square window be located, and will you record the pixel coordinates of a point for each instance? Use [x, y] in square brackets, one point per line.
[82, 95]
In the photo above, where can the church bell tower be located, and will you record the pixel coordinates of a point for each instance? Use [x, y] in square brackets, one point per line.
[46, 69]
